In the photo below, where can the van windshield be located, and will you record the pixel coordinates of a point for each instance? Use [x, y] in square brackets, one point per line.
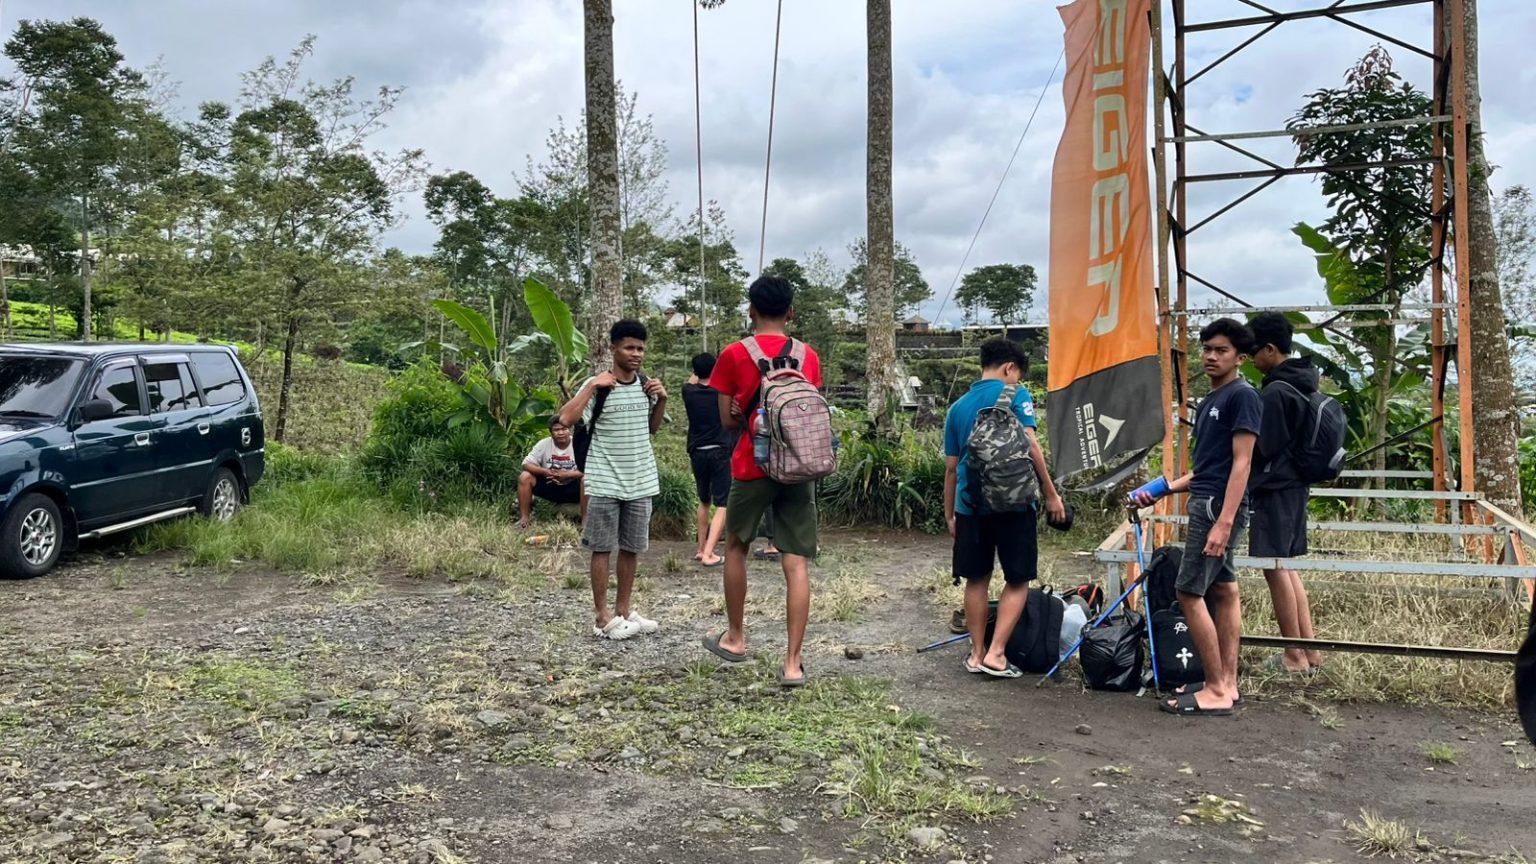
[36, 387]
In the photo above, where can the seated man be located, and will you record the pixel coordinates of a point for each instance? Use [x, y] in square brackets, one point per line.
[550, 473]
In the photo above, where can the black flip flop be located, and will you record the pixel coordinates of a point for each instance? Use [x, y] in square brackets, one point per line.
[1196, 687]
[792, 683]
[1188, 706]
[712, 643]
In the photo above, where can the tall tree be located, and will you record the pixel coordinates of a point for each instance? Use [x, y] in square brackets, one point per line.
[77, 119]
[1005, 290]
[1514, 222]
[311, 198]
[484, 243]
[725, 278]
[1496, 433]
[1381, 215]
[603, 179]
[908, 287]
[880, 312]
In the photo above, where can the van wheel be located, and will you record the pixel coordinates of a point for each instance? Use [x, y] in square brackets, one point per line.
[221, 501]
[31, 538]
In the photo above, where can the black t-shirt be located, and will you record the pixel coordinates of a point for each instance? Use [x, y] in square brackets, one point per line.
[704, 429]
[1229, 409]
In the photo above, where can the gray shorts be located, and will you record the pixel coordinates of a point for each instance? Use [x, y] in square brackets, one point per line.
[1198, 572]
[611, 523]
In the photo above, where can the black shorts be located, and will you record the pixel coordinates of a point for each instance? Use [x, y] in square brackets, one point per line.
[712, 474]
[1278, 522]
[557, 493]
[1009, 538]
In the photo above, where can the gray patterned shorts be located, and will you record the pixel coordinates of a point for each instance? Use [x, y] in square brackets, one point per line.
[613, 523]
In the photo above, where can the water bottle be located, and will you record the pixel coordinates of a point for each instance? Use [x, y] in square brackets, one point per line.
[760, 437]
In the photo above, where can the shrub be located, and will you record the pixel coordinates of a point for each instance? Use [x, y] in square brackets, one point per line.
[418, 408]
[899, 484]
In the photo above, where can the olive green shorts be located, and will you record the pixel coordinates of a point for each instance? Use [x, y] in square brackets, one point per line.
[793, 509]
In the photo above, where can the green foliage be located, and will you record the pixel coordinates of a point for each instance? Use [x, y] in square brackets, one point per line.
[491, 397]
[898, 483]
[911, 289]
[420, 404]
[1005, 290]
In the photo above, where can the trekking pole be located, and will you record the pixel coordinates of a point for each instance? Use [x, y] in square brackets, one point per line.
[1146, 605]
[942, 642]
[1100, 620]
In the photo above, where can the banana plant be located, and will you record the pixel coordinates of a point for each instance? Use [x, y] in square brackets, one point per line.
[557, 329]
[490, 394]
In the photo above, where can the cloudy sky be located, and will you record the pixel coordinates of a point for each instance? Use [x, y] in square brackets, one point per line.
[485, 80]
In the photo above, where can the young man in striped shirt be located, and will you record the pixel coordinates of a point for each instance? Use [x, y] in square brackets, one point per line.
[620, 474]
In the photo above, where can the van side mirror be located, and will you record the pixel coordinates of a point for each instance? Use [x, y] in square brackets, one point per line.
[92, 410]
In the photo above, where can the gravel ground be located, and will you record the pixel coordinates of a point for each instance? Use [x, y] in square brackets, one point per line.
[154, 713]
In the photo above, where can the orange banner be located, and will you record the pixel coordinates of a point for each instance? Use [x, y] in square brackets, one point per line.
[1103, 311]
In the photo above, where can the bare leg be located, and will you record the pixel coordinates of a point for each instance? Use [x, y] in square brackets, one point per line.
[735, 638]
[976, 617]
[1304, 618]
[601, 615]
[797, 610]
[1009, 607]
[716, 528]
[525, 483]
[1282, 593]
[700, 529]
[627, 564]
[1229, 629]
[1202, 631]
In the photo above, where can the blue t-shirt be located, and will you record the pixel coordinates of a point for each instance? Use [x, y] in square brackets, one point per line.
[1229, 409]
[961, 419]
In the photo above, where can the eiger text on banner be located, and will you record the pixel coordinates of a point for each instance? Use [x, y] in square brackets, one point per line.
[1105, 396]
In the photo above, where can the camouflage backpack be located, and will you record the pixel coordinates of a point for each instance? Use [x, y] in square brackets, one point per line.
[1000, 476]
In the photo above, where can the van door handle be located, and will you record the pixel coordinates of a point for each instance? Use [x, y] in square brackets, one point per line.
[202, 428]
[141, 439]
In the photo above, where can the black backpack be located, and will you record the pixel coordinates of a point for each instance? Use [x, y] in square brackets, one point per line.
[1175, 656]
[1161, 577]
[1035, 643]
[581, 436]
[1317, 451]
[1525, 679]
[1111, 655]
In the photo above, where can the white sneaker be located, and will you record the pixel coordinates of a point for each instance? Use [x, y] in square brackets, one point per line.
[617, 629]
[646, 625]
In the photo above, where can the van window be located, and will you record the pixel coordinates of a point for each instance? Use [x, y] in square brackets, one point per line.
[119, 386]
[170, 387]
[220, 379]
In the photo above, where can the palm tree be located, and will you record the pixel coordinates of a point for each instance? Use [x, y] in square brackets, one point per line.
[880, 315]
[607, 301]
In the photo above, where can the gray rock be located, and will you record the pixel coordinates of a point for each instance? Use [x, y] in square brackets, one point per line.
[853, 653]
[925, 838]
[342, 845]
[493, 720]
[369, 853]
[559, 822]
[326, 835]
[1083, 729]
[53, 841]
[275, 826]
[788, 826]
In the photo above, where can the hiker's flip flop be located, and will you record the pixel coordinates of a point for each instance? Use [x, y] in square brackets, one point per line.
[712, 643]
[1187, 705]
[1010, 671]
[791, 683]
[1196, 687]
[974, 670]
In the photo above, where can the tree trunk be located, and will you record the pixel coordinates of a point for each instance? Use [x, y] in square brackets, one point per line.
[290, 344]
[602, 179]
[5, 304]
[1496, 432]
[879, 270]
[85, 268]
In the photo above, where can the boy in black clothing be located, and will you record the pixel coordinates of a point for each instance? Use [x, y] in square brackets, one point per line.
[1226, 429]
[709, 452]
[1279, 495]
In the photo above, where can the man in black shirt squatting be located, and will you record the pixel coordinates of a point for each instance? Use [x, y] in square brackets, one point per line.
[1226, 429]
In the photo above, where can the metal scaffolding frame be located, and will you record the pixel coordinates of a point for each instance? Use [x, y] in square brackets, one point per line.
[1490, 534]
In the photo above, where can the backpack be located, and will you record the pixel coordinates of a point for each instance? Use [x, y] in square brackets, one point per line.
[1176, 659]
[1111, 654]
[1318, 452]
[1000, 476]
[1525, 678]
[798, 416]
[581, 436]
[1091, 595]
[1035, 643]
[1161, 577]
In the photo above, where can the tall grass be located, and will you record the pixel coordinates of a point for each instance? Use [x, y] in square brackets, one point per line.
[899, 484]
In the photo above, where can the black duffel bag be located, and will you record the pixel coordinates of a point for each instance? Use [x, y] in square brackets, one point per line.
[1177, 662]
[1111, 655]
[1035, 643]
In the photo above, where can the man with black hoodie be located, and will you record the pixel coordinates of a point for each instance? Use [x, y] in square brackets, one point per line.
[1279, 496]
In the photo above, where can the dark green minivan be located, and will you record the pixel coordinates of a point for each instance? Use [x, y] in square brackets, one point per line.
[97, 439]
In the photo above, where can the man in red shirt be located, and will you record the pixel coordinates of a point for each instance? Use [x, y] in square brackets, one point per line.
[737, 379]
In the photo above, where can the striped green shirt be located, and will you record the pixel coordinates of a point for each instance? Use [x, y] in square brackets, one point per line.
[620, 462]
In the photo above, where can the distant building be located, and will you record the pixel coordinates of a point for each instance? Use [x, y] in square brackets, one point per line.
[680, 322]
[915, 324]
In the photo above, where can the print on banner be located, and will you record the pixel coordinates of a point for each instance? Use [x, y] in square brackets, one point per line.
[1103, 383]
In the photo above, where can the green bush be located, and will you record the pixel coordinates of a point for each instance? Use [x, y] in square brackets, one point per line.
[418, 408]
[899, 484]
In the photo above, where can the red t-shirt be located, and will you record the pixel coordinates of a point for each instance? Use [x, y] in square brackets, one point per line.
[737, 376]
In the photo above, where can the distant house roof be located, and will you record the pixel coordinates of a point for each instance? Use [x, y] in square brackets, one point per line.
[916, 319]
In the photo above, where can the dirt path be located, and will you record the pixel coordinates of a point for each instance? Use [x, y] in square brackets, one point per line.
[152, 712]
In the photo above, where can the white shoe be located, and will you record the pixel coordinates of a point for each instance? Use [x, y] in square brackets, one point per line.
[617, 629]
[646, 625]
